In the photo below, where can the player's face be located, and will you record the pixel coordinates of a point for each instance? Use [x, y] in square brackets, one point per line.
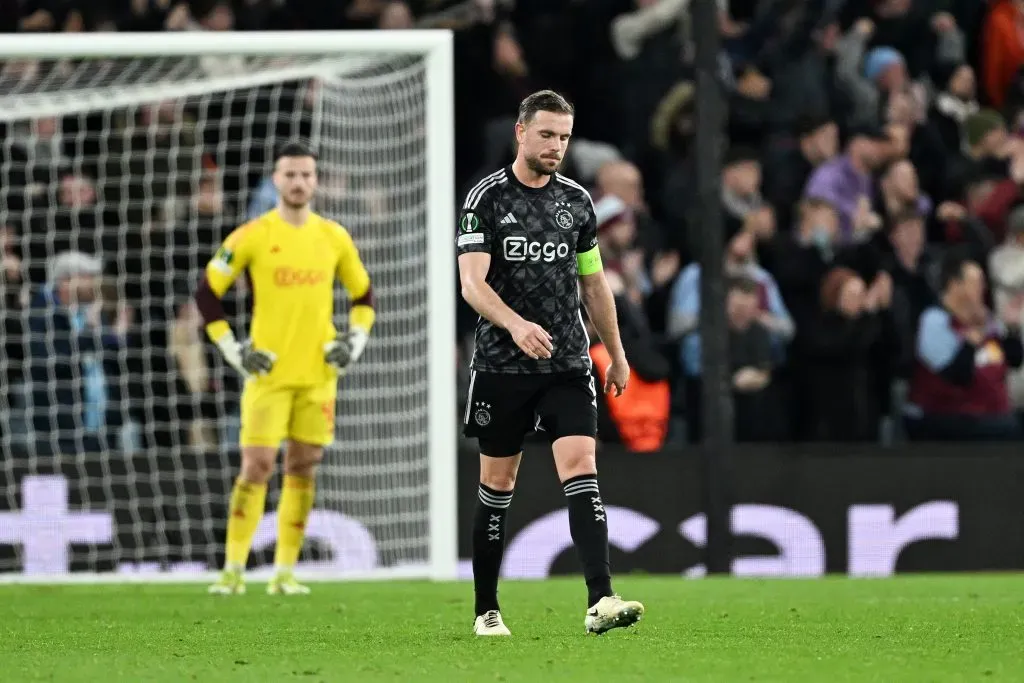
[295, 180]
[543, 141]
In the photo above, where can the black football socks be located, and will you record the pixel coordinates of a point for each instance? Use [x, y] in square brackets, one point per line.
[588, 526]
[489, 545]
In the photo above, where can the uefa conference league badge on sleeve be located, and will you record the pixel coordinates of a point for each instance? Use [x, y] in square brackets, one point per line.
[222, 260]
[469, 230]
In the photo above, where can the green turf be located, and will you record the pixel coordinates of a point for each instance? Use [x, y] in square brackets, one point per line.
[966, 628]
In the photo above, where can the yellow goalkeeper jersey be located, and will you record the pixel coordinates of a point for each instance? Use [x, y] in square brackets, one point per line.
[292, 271]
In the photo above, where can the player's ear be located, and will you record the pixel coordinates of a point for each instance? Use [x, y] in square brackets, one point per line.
[520, 132]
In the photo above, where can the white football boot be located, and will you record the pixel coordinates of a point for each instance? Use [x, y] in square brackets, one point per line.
[284, 583]
[231, 582]
[490, 624]
[612, 612]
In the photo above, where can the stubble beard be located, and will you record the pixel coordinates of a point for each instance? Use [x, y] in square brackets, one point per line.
[536, 164]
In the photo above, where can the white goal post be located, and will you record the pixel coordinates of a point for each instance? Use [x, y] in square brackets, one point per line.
[143, 151]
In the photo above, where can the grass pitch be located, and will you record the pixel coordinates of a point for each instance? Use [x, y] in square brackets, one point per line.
[910, 629]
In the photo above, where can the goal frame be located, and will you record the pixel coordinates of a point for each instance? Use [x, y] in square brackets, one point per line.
[436, 48]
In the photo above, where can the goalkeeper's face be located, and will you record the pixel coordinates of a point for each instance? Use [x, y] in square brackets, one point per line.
[295, 180]
[544, 140]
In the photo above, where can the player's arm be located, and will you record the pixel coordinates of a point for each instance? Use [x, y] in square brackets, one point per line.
[221, 272]
[600, 303]
[473, 246]
[353, 276]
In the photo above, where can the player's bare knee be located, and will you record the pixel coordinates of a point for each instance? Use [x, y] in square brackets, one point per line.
[499, 481]
[499, 474]
[257, 464]
[302, 459]
[575, 456]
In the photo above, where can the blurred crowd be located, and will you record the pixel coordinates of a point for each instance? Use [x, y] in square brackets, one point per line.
[872, 196]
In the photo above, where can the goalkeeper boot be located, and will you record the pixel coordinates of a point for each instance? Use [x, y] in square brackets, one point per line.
[231, 582]
[490, 624]
[284, 583]
[612, 612]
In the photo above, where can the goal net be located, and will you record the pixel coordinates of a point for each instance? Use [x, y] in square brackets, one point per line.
[121, 170]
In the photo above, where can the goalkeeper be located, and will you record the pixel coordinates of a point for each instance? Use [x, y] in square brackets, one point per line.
[291, 361]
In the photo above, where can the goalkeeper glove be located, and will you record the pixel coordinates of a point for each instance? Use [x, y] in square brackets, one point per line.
[345, 350]
[244, 358]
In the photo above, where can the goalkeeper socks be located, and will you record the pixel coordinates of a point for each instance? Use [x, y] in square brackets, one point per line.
[297, 494]
[488, 545]
[588, 526]
[244, 514]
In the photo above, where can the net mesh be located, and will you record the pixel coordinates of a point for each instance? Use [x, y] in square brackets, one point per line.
[121, 446]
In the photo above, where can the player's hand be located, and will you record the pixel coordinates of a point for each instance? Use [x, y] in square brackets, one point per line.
[616, 377]
[245, 359]
[256, 361]
[532, 339]
[345, 350]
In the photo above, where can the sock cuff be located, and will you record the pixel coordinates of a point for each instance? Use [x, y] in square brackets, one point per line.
[495, 499]
[291, 481]
[250, 486]
[585, 483]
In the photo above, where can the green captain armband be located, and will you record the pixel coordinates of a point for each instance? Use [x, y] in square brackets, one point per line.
[589, 262]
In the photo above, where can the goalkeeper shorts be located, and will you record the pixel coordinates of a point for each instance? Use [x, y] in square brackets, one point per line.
[502, 409]
[272, 414]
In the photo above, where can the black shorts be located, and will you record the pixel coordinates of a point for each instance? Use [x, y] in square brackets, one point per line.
[502, 409]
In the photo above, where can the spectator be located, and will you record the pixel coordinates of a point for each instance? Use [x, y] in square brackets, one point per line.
[623, 180]
[987, 152]
[67, 337]
[845, 182]
[616, 231]
[908, 263]
[795, 44]
[915, 139]
[739, 262]
[802, 258]
[958, 390]
[954, 104]
[868, 78]
[1006, 269]
[1003, 48]
[835, 352]
[792, 162]
[898, 191]
[12, 296]
[742, 203]
[641, 422]
[751, 363]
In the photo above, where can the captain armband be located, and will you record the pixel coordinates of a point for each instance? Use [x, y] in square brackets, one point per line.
[589, 262]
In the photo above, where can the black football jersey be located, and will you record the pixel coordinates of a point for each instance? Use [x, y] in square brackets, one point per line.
[533, 236]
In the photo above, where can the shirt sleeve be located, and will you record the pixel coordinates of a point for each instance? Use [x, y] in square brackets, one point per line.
[355, 279]
[351, 271]
[588, 231]
[476, 227]
[588, 254]
[937, 341]
[231, 258]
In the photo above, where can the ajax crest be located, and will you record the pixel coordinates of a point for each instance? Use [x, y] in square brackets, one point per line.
[481, 414]
[564, 219]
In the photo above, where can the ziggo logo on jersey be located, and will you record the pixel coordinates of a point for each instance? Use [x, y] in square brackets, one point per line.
[518, 248]
[298, 277]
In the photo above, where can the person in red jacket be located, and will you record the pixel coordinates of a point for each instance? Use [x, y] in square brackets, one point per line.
[1002, 48]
